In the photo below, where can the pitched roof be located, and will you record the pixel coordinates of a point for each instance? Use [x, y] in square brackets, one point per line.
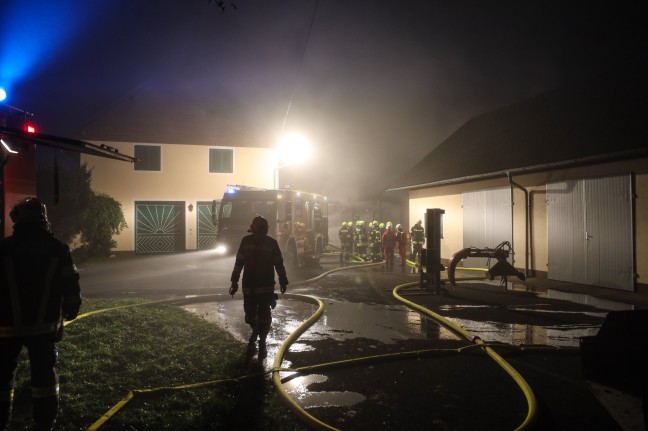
[189, 111]
[600, 120]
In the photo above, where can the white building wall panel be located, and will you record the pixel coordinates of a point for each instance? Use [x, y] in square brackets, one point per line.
[609, 232]
[590, 232]
[487, 220]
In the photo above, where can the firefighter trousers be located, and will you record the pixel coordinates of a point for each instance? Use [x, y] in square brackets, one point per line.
[44, 379]
[258, 313]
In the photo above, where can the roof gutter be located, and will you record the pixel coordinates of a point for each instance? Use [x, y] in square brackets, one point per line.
[572, 163]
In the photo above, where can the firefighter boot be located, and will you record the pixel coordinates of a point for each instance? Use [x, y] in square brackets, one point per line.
[45, 410]
[263, 350]
[252, 341]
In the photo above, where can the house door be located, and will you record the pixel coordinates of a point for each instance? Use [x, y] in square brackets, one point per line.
[590, 232]
[159, 227]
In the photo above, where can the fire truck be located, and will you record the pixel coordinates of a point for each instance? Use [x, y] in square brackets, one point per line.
[19, 142]
[298, 221]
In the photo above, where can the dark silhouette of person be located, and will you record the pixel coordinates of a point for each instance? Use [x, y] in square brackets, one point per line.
[39, 288]
[258, 257]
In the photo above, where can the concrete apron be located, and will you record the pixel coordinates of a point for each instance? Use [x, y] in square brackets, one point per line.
[384, 323]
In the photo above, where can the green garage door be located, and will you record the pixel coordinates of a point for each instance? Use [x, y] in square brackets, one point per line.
[159, 227]
[205, 225]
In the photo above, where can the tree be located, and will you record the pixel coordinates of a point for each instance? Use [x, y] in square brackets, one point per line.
[65, 188]
[76, 212]
[102, 219]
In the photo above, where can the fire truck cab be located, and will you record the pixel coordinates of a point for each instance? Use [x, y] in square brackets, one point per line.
[298, 220]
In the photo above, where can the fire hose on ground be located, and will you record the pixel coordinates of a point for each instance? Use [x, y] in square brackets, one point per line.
[277, 369]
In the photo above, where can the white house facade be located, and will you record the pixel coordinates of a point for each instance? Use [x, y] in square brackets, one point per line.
[167, 195]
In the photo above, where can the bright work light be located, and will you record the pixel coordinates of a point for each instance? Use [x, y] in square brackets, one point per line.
[294, 148]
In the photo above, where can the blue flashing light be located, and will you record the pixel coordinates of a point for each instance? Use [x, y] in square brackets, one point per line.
[32, 32]
[230, 190]
[3, 94]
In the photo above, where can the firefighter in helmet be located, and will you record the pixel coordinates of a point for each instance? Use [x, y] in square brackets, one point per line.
[417, 236]
[39, 288]
[375, 241]
[346, 241]
[388, 243]
[360, 239]
[258, 257]
[401, 243]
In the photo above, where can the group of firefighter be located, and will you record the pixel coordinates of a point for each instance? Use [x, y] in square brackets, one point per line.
[377, 242]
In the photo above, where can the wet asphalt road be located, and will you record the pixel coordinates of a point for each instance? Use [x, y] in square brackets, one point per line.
[441, 391]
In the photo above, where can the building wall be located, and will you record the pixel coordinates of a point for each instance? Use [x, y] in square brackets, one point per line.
[449, 197]
[184, 176]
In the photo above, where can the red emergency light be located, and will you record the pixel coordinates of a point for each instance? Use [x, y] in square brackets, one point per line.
[29, 128]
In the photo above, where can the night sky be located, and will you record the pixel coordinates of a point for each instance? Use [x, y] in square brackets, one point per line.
[376, 86]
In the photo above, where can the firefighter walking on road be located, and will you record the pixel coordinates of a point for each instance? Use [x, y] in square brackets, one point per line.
[258, 257]
[39, 288]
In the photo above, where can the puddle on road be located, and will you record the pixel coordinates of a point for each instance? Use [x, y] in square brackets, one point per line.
[298, 389]
[518, 334]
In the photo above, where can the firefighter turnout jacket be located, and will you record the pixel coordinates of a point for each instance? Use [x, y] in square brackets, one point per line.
[258, 257]
[417, 234]
[39, 284]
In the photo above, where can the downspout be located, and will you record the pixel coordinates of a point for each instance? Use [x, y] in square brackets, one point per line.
[532, 254]
[526, 221]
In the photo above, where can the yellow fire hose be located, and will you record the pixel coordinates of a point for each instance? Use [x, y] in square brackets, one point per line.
[276, 370]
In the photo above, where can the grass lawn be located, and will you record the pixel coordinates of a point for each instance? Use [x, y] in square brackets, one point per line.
[106, 355]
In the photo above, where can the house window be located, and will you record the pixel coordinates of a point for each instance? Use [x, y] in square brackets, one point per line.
[148, 158]
[221, 161]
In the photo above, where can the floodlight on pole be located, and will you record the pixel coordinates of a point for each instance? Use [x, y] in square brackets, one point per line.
[292, 149]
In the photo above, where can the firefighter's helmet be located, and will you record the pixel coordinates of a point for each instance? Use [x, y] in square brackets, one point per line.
[399, 227]
[29, 210]
[259, 225]
[381, 225]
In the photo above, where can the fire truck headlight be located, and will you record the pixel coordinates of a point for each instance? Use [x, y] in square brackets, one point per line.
[220, 249]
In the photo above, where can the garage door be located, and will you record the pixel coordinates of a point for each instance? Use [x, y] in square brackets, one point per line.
[590, 237]
[159, 227]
